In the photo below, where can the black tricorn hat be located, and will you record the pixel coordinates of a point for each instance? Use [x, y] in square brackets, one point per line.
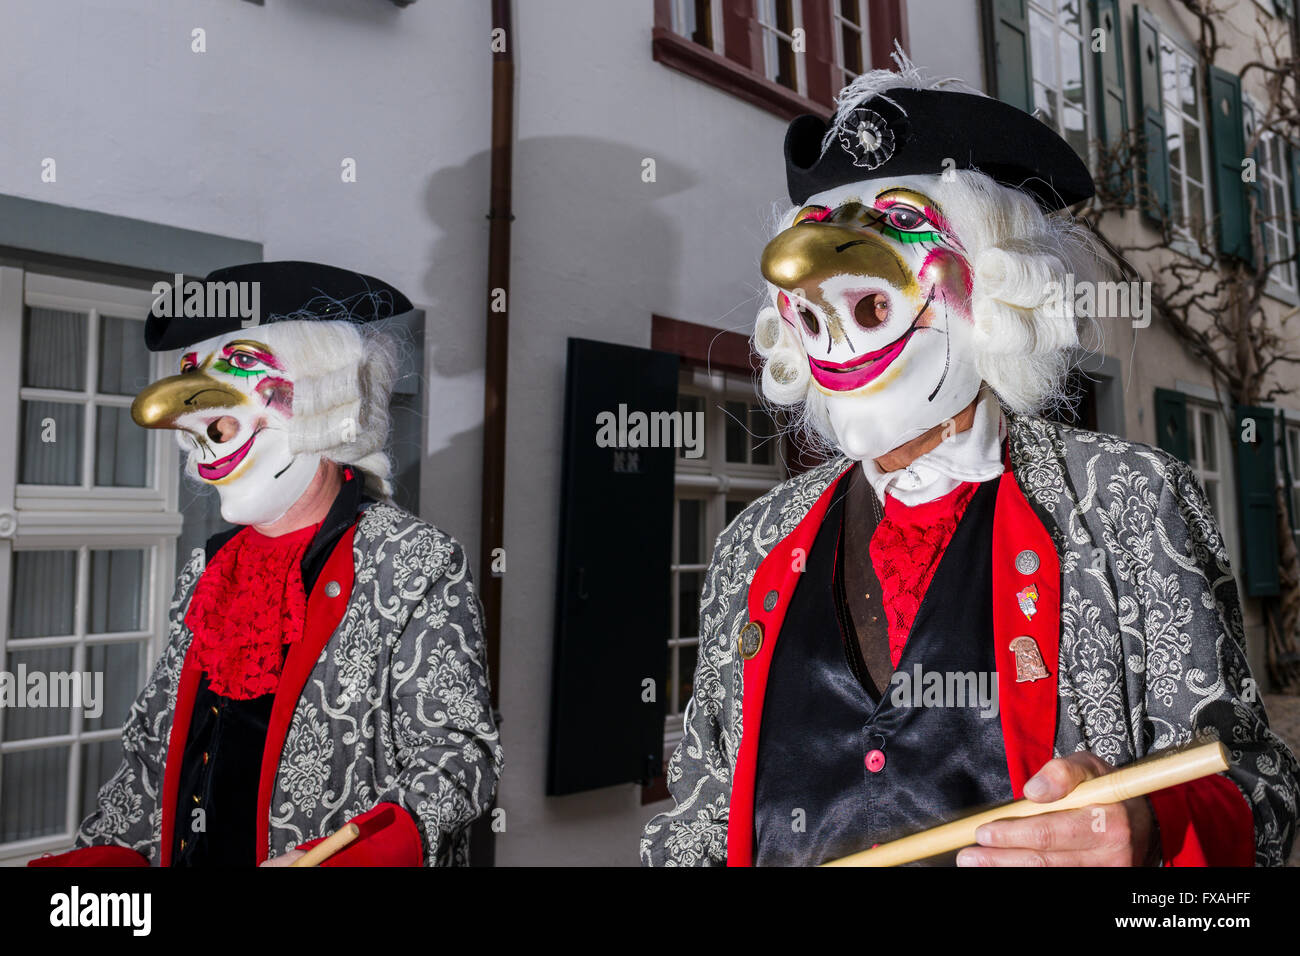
[903, 131]
[287, 291]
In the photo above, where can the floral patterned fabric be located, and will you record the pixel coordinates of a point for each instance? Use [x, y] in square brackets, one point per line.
[395, 710]
[905, 550]
[1152, 646]
[247, 605]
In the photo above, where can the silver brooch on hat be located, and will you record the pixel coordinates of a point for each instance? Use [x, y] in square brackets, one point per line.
[866, 137]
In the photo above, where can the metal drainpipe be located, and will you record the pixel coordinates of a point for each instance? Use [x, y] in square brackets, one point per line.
[497, 338]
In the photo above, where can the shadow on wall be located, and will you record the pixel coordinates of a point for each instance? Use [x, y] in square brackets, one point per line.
[580, 205]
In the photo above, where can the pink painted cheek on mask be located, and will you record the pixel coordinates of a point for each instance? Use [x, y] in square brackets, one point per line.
[948, 275]
[277, 395]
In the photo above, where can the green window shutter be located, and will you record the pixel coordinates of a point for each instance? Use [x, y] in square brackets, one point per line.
[1283, 7]
[1112, 103]
[1007, 27]
[1228, 125]
[1256, 476]
[1173, 433]
[1155, 161]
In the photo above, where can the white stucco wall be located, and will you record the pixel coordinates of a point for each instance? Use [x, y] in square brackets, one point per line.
[597, 252]
[944, 38]
[247, 140]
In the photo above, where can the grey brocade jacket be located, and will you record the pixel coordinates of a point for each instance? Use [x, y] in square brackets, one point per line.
[396, 708]
[1151, 643]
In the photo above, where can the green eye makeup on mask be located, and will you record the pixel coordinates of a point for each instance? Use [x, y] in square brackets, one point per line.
[223, 365]
[909, 237]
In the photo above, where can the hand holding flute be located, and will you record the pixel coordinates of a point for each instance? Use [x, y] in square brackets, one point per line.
[321, 852]
[1102, 819]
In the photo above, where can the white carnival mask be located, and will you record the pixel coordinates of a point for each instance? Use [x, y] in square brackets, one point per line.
[232, 406]
[876, 287]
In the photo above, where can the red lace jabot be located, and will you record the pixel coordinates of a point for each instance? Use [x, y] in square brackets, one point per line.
[248, 604]
[905, 550]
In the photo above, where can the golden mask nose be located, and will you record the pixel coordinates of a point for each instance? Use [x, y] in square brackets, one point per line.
[159, 405]
[805, 255]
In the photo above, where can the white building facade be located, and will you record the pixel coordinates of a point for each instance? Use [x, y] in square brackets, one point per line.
[143, 139]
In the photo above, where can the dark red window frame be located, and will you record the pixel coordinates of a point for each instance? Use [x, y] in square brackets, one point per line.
[739, 68]
[703, 345]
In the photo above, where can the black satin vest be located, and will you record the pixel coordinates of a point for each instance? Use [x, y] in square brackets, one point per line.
[816, 797]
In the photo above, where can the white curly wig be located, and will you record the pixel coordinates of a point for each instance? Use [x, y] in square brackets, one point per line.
[1017, 253]
[343, 380]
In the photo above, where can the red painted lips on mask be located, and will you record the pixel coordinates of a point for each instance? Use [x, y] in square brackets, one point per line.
[858, 371]
[224, 466]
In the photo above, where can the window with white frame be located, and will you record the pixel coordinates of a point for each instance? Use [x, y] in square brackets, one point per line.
[742, 460]
[1274, 197]
[86, 563]
[699, 21]
[1275, 211]
[849, 24]
[1212, 462]
[1185, 137]
[1058, 57]
[783, 58]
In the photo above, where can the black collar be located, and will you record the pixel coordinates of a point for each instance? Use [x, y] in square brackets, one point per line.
[341, 516]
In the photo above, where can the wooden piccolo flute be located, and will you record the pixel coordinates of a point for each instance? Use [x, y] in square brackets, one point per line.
[327, 847]
[1134, 780]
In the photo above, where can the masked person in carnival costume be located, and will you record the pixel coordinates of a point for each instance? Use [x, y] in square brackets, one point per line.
[1073, 587]
[324, 661]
